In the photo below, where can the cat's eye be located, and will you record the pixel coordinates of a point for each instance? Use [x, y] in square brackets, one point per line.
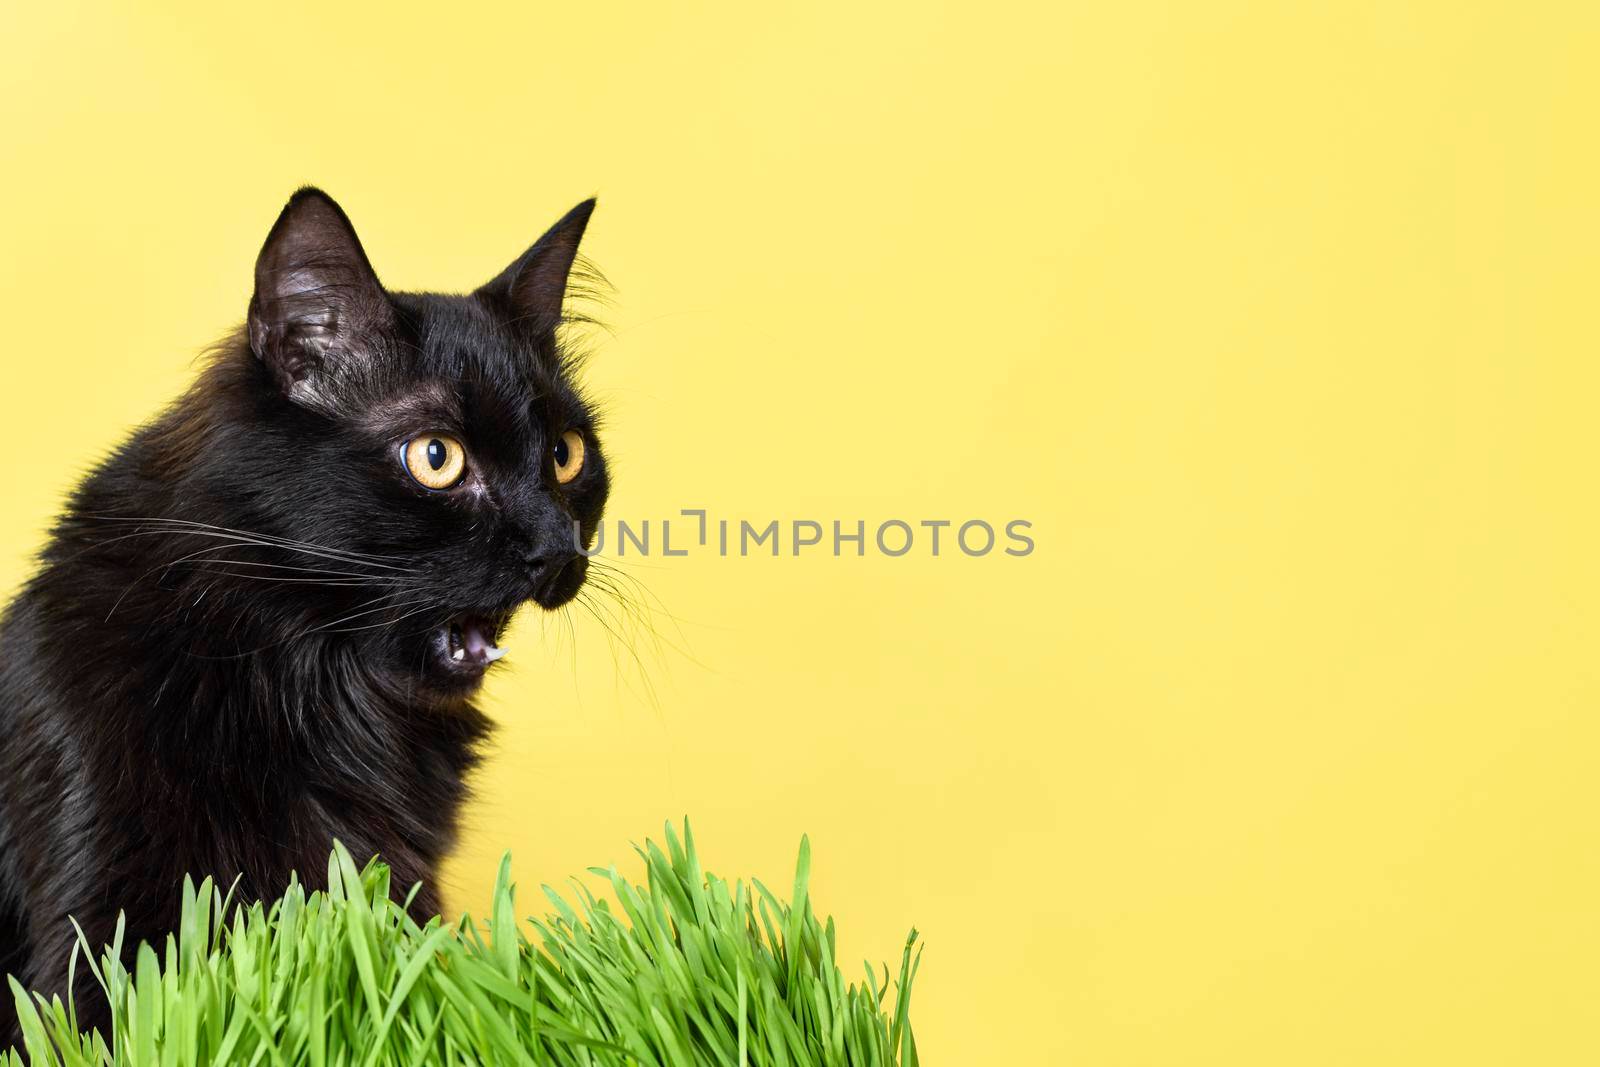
[436, 461]
[568, 455]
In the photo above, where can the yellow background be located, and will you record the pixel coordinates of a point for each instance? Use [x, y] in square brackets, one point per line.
[1278, 321]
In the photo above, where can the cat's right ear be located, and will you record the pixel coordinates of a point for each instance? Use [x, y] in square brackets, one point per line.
[318, 307]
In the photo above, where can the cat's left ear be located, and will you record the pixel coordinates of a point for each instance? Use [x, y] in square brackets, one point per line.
[530, 291]
[318, 309]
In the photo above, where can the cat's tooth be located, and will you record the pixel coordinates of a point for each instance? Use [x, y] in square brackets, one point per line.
[493, 652]
[459, 654]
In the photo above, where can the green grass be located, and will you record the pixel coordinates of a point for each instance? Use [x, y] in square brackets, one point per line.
[691, 970]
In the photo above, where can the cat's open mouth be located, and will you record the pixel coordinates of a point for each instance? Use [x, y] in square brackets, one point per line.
[465, 645]
[468, 643]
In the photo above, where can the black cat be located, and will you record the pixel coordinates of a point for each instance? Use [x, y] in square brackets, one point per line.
[260, 623]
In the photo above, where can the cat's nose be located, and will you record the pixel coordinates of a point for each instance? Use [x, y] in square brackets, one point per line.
[544, 544]
[543, 567]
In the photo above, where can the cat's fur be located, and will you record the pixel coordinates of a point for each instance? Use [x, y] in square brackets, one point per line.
[237, 647]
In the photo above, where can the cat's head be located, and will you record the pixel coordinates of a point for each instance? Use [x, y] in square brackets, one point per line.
[438, 440]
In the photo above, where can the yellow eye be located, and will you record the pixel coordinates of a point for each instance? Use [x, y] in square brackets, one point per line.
[436, 461]
[568, 454]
